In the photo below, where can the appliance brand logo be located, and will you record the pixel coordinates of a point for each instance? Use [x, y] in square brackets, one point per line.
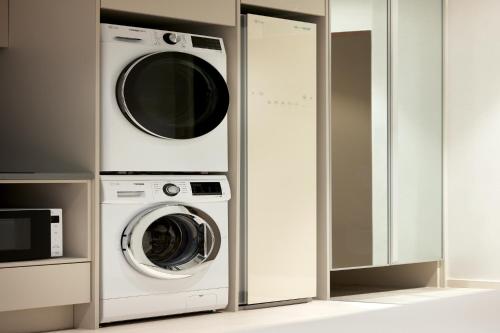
[298, 27]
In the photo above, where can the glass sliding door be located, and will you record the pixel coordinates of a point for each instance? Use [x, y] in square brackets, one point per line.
[360, 230]
[416, 130]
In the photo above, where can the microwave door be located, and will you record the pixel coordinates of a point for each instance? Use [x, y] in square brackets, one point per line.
[24, 235]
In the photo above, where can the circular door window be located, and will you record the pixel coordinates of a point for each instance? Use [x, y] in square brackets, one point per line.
[172, 95]
[170, 242]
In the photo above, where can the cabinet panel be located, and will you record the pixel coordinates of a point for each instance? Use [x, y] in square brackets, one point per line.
[4, 23]
[221, 12]
[417, 130]
[49, 87]
[44, 286]
[280, 171]
[313, 7]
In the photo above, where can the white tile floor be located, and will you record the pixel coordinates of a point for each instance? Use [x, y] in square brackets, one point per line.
[415, 310]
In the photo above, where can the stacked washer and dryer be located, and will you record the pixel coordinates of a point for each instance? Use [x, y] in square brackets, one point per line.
[164, 202]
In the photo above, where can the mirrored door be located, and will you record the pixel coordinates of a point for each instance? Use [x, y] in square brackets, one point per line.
[360, 230]
[416, 130]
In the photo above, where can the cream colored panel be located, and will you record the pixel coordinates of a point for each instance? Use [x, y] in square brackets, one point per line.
[281, 147]
[214, 11]
[44, 286]
[37, 320]
[313, 7]
[4, 23]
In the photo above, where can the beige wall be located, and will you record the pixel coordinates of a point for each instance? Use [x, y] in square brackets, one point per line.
[472, 140]
[48, 86]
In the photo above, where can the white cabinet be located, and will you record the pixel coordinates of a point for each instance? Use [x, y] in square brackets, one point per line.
[416, 131]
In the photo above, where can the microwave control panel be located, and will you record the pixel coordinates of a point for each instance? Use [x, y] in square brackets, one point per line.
[56, 233]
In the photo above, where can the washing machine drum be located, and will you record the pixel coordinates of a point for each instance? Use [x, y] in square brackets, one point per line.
[171, 241]
[172, 95]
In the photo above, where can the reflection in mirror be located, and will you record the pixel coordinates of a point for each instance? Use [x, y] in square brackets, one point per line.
[359, 132]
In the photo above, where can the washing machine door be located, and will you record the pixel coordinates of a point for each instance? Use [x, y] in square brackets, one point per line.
[172, 95]
[171, 241]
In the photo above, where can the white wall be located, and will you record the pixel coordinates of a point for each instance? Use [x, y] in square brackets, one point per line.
[472, 140]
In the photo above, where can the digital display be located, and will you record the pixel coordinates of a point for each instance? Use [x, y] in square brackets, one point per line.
[206, 188]
[206, 43]
[15, 234]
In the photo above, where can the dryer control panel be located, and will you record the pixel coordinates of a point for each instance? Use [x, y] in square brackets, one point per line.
[160, 38]
[141, 189]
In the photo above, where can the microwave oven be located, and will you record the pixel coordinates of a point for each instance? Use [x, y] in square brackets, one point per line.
[30, 234]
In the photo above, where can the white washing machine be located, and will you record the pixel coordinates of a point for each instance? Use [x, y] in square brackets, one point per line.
[164, 101]
[164, 245]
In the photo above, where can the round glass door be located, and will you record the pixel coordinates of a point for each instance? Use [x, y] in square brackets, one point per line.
[170, 242]
[172, 95]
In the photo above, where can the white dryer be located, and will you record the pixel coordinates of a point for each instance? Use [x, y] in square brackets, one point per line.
[164, 245]
[164, 101]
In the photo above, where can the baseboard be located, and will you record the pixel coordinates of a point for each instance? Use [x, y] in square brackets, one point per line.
[480, 284]
[275, 304]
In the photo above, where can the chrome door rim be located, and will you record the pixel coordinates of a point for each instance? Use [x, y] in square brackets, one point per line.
[133, 251]
[121, 95]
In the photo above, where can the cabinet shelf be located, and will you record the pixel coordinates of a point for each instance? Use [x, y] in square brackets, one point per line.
[34, 177]
[52, 261]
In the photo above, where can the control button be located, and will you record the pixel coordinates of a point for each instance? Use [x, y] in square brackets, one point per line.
[171, 190]
[171, 38]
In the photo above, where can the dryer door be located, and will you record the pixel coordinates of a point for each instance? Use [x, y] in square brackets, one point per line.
[172, 95]
[171, 241]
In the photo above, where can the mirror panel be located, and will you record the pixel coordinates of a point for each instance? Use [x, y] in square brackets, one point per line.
[359, 132]
[416, 130]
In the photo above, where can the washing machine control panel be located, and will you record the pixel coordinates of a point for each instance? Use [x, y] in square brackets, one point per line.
[175, 189]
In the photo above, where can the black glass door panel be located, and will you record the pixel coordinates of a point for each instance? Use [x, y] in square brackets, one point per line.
[173, 240]
[173, 95]
[24, 235]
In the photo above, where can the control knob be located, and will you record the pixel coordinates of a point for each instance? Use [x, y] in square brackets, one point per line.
[171, 38]
[171, 190]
